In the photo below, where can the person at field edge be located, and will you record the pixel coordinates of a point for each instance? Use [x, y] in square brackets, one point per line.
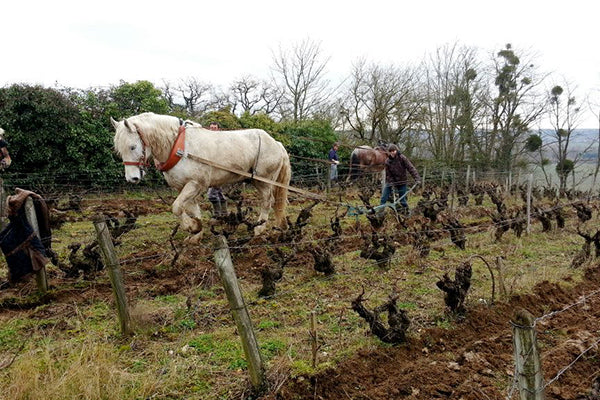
[333, 159]
[396, 167]
[215, 194]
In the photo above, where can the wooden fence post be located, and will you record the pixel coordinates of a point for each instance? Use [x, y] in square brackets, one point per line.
[114, 272]
[240, 314]
[527, 358]
[501, 284]
[424, 177]
[467, 178]
[40, 276]
[529, 185]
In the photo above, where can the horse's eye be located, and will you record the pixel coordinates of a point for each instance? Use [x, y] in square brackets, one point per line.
[132, 148]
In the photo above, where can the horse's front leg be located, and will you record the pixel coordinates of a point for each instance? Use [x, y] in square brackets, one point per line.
[265, 197]
[186, 206]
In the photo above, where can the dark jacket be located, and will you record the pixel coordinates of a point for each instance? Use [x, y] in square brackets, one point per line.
[22, 248]
[333, 155]
[396, 168]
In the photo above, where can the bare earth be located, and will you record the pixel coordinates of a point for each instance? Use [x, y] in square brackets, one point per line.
[462, 363]
[466, 362]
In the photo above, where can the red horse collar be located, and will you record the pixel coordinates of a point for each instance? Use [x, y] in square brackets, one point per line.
[176, 153]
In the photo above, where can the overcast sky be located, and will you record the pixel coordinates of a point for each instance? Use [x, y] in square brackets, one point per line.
[84, 44]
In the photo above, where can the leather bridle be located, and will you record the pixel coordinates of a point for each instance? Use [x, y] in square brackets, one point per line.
[177, 151]
[142, 163]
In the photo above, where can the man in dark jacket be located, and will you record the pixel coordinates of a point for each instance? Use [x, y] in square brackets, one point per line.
[396, 168]
[333, 159]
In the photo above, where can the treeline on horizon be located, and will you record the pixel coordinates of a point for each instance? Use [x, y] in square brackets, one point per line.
[452, 110]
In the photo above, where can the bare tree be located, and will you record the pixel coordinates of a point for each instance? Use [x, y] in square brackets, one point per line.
[221, 100]
[517, 105]
[454, 110]
[300, 72]
[247, 94]
[169, 95]
[380, 103]
[565, 116]
[196, 95]
[253, 96]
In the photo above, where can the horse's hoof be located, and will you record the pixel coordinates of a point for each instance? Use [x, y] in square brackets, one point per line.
[213, 222]
[194, 239]
[259, 229]
[190, 223]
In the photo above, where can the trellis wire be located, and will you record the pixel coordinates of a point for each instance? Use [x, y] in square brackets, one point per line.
[562, 371]
[582, 299]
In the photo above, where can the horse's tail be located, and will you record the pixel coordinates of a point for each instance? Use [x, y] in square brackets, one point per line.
[280, 193]
[354, 164]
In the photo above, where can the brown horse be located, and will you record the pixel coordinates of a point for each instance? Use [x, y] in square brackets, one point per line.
[365, 159]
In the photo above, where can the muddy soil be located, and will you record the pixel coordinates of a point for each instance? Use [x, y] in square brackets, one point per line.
[474, 361]
[471, 361]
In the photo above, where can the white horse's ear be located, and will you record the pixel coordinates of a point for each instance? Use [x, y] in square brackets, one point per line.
[114, 123]
[127, 125]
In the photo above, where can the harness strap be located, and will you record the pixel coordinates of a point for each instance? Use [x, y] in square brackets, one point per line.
[258, 178]
[177, 151]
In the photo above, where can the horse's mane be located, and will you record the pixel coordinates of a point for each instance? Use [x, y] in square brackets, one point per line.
[2, 133]
[189, 122]
[366, 147]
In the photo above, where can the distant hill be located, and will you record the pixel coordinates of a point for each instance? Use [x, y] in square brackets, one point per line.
[582, 141]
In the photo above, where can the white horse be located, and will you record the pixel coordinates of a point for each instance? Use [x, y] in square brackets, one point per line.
[148, 135]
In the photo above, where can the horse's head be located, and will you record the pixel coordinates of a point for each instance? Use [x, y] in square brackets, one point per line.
[130, 146]
[382, 145]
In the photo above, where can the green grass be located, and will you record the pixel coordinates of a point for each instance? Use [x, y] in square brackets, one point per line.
[176, 352]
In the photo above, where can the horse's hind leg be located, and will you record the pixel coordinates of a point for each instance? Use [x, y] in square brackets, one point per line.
[186, 207]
